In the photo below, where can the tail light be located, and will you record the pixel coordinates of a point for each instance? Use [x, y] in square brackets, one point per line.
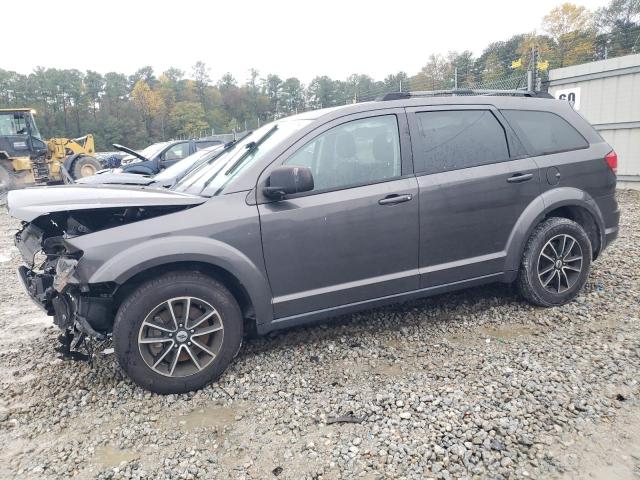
[612, 161]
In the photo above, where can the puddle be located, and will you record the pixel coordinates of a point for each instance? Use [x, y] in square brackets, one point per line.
[108, 456]
[214, 417]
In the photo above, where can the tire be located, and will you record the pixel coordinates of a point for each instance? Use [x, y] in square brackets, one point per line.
[85, 166]
[562, 271]
[135, 329]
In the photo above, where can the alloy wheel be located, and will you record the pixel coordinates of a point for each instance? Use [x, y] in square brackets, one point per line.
[181, 336]
[560, 263]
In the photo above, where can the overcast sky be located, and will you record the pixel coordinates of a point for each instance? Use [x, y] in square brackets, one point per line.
[288, 38]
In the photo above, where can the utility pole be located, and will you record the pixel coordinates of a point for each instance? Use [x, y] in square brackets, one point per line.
[455, 78]
[400, 82]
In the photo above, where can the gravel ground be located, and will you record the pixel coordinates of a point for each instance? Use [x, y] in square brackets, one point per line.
[465, 385]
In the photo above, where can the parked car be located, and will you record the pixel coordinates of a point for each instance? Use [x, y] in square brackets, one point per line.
[159, 156]
[165, 178]
[320, 214]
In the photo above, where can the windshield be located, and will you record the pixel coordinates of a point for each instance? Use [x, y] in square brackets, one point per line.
[148, 152]
[210, 178]
[178, 168]
[13, 123]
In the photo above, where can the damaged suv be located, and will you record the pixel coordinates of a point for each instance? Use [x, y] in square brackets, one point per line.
[321, 214]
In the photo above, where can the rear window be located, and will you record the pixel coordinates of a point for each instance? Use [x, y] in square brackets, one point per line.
[545, 132]
[456, 139]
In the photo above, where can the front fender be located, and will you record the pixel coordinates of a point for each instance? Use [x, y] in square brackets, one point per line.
[538, 209]
[161, 251]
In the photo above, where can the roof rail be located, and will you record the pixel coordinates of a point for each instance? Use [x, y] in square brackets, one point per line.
[462, 92]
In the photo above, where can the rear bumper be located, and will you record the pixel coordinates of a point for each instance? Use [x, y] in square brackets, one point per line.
[610, 211]
[610, 235]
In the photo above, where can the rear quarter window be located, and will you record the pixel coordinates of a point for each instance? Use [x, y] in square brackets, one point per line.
[545, 132]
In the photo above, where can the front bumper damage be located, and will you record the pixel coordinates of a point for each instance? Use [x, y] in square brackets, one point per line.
[56, 272]
[78, 310]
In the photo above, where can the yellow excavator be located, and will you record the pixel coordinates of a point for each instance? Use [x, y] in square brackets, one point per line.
[26, 159]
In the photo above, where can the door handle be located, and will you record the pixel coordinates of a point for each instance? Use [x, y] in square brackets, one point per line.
[394, 199]
[520, 177]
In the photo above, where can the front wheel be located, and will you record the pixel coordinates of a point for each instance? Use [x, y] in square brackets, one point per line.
[177, 333]
[85, 166]
[555, 264]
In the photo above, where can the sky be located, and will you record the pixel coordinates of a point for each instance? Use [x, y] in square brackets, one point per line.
[287, 38]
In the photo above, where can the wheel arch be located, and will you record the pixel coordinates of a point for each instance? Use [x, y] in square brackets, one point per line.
[222, 275]
[566, 202]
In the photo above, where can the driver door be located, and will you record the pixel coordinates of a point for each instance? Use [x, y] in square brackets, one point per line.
[354, 237]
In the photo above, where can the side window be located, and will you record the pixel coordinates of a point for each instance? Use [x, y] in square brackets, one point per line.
[455, 139]
[177, 152]
[354, 153]
[545, 132]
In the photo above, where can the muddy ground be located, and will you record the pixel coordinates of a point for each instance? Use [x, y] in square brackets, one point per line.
[475, 384]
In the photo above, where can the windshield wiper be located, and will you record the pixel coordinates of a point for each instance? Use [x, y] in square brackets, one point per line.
[227, 146]
[250, 147]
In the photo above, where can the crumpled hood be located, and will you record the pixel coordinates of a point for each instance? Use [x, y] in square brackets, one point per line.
[30, 203]
[113, 178]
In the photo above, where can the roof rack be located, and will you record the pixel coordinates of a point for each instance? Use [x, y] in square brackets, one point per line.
[463, 91]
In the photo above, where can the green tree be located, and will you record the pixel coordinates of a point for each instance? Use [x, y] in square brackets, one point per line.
[292, 96]
[272, 89]
[321, 92]
[94, 86]
[188, 119]
[619, 25]
[202, 80]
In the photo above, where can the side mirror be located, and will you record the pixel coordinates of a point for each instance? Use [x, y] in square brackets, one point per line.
[287, 180]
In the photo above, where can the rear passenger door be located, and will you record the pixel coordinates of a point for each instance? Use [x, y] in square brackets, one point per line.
[474, 182]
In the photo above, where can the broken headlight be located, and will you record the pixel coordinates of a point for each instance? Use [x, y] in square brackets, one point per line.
[65, 268]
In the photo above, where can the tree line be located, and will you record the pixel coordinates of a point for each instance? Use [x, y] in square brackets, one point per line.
[139, 109]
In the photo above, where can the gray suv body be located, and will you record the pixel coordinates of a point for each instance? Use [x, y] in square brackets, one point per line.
[321, 214]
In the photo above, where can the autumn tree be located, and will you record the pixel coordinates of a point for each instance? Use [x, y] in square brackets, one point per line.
[435, 75]
[148, 104]
[571, 28]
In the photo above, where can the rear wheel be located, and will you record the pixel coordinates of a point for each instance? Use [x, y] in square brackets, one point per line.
[555, 264]
[85, 166]
[178, 332]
